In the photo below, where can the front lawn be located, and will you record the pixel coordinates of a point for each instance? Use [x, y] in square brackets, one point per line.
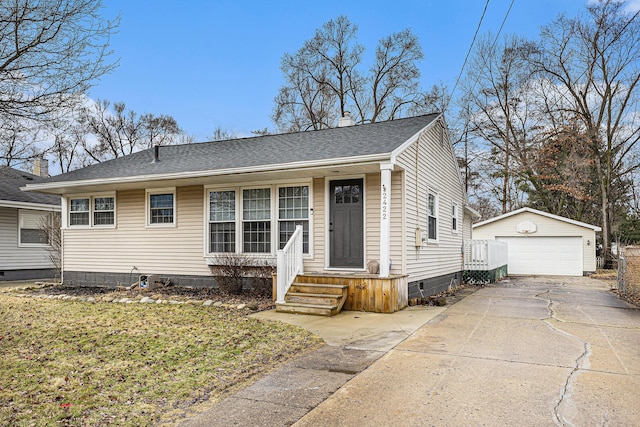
[91, 364]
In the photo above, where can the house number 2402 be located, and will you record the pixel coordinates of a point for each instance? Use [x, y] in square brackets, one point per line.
[385, 199]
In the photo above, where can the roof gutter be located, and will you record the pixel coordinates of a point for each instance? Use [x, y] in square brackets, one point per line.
[29, 205]
[48, 187]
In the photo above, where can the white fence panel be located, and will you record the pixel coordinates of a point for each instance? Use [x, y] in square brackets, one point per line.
[484, 255]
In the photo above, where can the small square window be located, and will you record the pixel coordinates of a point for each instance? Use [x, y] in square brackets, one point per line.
[79, 211]
[161, 207]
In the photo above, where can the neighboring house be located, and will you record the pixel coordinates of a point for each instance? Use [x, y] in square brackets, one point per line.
[541, 243]
[389, 192]
[24, 246]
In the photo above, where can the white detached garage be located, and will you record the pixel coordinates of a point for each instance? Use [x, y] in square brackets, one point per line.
[541, 243]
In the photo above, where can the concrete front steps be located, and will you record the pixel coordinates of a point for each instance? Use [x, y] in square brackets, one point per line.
[314, 298]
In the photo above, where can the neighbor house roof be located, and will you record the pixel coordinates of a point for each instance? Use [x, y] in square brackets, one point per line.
[375, 141]
[10, 194]
[535, 211]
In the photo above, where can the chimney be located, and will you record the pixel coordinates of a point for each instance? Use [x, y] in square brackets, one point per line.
[156, 153]
[41, 167]
[346, 120]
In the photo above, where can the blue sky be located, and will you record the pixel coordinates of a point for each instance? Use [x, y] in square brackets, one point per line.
[216, 63]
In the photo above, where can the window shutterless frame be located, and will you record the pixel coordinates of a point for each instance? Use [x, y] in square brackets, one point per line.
[33, 228]
[289, 204]
[432, 216]
[161, 207]
[91, 210]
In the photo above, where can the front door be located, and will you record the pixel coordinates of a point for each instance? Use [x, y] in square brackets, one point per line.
[346, 227]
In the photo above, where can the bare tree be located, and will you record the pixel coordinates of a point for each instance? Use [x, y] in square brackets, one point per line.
[325, 79]
[50, 51]
[51, 226]
[497, 98]
[593, 63]
[18, 143]
[111, 133]
[220, 134]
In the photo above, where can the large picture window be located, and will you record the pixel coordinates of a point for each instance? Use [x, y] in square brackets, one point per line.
[257, 220]
[256, 217]
[33, 228]
[293, 210]
[222, 221]
[432, 214]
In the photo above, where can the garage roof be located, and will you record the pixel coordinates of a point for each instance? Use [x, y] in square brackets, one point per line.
[535, 211]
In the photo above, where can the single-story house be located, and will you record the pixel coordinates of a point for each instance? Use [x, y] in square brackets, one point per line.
[24, 242]
[388, 192]
[540, 243]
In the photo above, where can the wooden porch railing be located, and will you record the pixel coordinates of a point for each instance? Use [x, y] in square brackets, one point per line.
[289, 264]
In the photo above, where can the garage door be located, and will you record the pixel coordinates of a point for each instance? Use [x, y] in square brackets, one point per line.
[544, 255]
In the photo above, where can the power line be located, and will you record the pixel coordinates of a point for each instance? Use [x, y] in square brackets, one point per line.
[506, 15]
[470, 48]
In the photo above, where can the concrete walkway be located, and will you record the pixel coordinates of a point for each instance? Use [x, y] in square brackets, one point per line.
[354, 341]
[530, 351]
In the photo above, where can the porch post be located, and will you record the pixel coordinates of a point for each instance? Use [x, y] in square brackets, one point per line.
[385, 217]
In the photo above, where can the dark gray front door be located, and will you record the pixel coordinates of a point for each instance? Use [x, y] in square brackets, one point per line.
[346, 223]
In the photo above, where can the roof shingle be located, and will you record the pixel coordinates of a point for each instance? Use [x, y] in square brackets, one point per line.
[336, 143]
[12, 179]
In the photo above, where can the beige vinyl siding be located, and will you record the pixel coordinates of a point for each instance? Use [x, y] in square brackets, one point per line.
[546, 226]
[435, 169]
[163, 250]
[467, 227]
[13, 257]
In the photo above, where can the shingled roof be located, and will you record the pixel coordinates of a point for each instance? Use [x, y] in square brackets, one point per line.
[291, 148]
[10, 182]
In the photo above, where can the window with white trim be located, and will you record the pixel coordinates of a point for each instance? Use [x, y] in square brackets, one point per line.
[104, 211]
[222, 221]
[161, 207]
[79, 211]
[256, 220]
[92, 211]
[293, 210]
[454, 217]
[432, 215]
[33, 226]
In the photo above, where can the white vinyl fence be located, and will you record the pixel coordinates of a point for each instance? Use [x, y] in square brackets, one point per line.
[484, 255]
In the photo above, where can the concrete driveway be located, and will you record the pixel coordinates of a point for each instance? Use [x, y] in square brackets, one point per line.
[530, 351]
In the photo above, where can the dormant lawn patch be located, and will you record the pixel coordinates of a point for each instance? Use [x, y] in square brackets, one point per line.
[78, 363]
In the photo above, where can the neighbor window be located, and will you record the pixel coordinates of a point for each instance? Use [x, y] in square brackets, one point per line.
[454, 217]
[432, 213]
[293, 210]
[222, 221]
[97, 210]
[79, 211]
[34, 226]
[256, 220]
[161, 207]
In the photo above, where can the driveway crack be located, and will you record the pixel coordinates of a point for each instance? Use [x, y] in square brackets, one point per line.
[561, 410]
